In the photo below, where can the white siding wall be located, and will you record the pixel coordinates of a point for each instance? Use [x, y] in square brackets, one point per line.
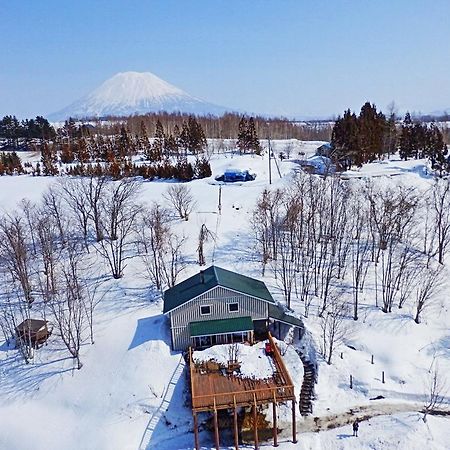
[218, 298]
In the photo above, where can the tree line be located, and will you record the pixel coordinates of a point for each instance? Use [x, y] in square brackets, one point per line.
[76, 150]
[371, 135]
[225, 126]
[20, 135]
[24, 134]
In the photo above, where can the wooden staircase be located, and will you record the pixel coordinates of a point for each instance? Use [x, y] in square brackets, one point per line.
[307, 391]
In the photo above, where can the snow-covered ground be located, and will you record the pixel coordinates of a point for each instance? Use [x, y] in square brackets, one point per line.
[130, 394]
[254, 363]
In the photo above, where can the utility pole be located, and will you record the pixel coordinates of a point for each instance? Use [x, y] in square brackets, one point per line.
[270, 157]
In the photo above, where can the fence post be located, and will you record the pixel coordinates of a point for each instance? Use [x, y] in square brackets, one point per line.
[382, 377]
[371, 360]
[351, 382]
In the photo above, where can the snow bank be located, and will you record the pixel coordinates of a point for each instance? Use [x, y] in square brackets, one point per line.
[254, 362]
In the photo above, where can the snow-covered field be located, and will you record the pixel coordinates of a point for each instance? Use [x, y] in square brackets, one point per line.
[130, 392]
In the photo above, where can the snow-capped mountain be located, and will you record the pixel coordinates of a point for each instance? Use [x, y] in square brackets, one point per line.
[130, 93]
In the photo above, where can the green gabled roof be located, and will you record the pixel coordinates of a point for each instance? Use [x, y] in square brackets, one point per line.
[221, 326]
[277, 312]
[211, 277]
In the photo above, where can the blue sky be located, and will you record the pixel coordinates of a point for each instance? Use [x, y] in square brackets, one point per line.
[303, 58]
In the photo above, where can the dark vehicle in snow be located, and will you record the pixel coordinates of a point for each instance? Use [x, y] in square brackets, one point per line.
[234, 175]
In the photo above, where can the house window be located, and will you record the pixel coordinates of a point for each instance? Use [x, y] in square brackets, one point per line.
[205, 310]
[233, 307]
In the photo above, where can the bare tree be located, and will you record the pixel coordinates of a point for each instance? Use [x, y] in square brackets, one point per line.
[174, 261]
[14, 311]
[233, 353]
[441, 215]
[95, 191]
[360, 252]
[53, 204]
[436, 392]
[429, 283]
[332, 240]
[69, 308]
[92, 297]
[392, 214]
[120, 217]
[181, 199]
[160, 248]
[265, 221]
[29, 213]
[76, 193]
[49, 251]
[153, 231]
[334, 328]
[289, 241]
[16, 254]
[204, 236]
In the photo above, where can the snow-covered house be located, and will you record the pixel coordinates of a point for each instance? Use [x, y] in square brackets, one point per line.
[325, 150]
[320, 165]
[217, 306]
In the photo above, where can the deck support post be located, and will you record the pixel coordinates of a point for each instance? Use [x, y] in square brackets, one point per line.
[274, 413]
[235, 423]
[216, 427]
[294, 424]
[255, 422]
[197, 446]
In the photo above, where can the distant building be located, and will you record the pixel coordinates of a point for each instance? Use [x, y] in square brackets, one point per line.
[324, 150]
[217, 306]
[320, 165]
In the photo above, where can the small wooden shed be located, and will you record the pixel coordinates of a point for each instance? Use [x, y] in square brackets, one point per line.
[34, 332]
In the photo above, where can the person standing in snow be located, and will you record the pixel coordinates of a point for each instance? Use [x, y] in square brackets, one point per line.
[355, 427]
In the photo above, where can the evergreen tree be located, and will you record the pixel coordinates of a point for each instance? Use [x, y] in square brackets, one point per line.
[171, 145]
[184, 140]
[202, 168]
[405, 142]
[252, 137]
[123, 144]
[49, 160]
[158, 142]
[43, 129]
[144, 143]
[242, 140]
[10, 163]
[344, 140]
[70, 129]
[371, 131]
[437, 150]
[66, 155]
[184, 170]
[197, 139]
[81, 150]
[419, 140]
[11, 130]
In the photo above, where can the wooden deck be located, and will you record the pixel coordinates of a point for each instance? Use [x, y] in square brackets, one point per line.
[212, 390]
